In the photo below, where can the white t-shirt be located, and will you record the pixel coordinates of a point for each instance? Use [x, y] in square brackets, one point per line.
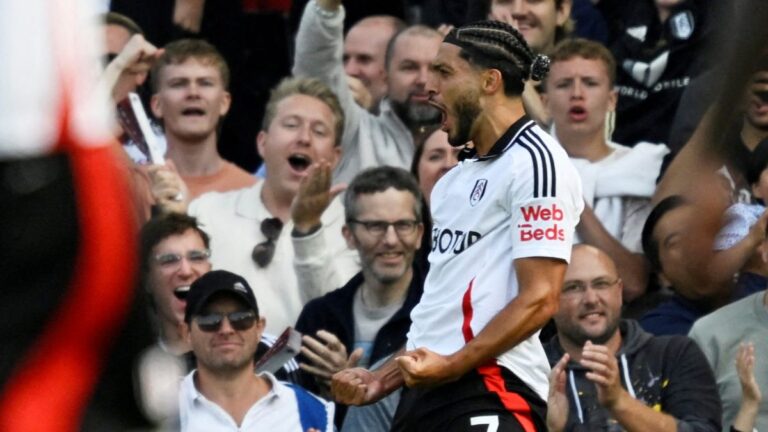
[619, 188]
[302, 268]
[521, 200]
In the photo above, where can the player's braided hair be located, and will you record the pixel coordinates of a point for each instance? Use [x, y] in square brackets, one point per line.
[497, 45]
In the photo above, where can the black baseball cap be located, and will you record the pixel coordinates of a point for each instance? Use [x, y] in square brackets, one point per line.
[215, 282]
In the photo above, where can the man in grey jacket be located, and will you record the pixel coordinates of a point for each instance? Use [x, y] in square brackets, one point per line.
[370, 140]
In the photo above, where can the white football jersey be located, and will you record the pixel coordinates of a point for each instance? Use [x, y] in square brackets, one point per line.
[51, 52]
[522, 199]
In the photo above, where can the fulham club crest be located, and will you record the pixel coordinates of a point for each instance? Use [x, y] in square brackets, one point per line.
[477, 192]
[682, 25]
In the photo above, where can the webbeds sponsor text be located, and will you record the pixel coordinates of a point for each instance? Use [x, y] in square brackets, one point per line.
[541, 223]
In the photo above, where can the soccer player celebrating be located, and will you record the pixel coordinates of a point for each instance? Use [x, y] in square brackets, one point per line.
[503, 227]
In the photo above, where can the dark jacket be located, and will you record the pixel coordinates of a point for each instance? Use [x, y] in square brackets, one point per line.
[333, 312]
[668, 373]
[673, 317]
[654, 63]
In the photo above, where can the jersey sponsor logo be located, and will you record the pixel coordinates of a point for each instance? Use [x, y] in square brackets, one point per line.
[477, 192]
[453, 241]
[541, 223]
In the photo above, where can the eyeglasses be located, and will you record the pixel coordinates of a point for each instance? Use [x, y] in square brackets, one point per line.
[264, 252]
[238, 320]
[379, 228]
[169, 261]
[580, 287]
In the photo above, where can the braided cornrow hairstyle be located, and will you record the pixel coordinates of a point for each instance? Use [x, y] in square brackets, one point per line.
[497, 45]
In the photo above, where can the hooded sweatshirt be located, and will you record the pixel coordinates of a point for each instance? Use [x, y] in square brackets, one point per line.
[667, 373]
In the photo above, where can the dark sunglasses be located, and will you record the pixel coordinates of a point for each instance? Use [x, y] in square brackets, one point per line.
[264, 252]
[238, 320]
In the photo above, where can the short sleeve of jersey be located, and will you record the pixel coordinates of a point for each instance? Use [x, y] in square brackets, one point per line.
[544, 200]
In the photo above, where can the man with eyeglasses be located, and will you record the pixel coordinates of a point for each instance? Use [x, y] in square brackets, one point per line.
[610, 375]
[223, 327]
[175, 253]
[367, 319]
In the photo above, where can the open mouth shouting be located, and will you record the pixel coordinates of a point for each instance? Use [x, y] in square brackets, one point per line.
[577, 113]
[299, 162]
[193, 112]
[443, 114]
[181, 292]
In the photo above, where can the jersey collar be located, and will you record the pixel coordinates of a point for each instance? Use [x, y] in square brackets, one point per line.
[501, 145]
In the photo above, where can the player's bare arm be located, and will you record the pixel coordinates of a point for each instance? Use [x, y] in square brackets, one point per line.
[540, 280]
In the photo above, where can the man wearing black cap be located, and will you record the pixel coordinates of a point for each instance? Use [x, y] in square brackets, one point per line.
[223, 328]
[174, 252]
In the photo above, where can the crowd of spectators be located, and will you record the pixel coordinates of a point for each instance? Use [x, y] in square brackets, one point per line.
[265, 110]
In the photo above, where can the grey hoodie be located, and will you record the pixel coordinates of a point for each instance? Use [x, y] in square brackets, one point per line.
[668, 373]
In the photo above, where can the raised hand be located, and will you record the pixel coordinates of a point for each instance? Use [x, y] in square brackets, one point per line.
[750, 391]
[557, 401]
[745, 367]
[604, 372]
[360, 93]
[168, 189]
[327, 356]
[314, 196]
[130, 68]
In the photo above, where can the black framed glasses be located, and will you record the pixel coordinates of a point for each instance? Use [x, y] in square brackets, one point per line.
[239, 321]
[264, 252]
[172, 260]
[376, 228]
